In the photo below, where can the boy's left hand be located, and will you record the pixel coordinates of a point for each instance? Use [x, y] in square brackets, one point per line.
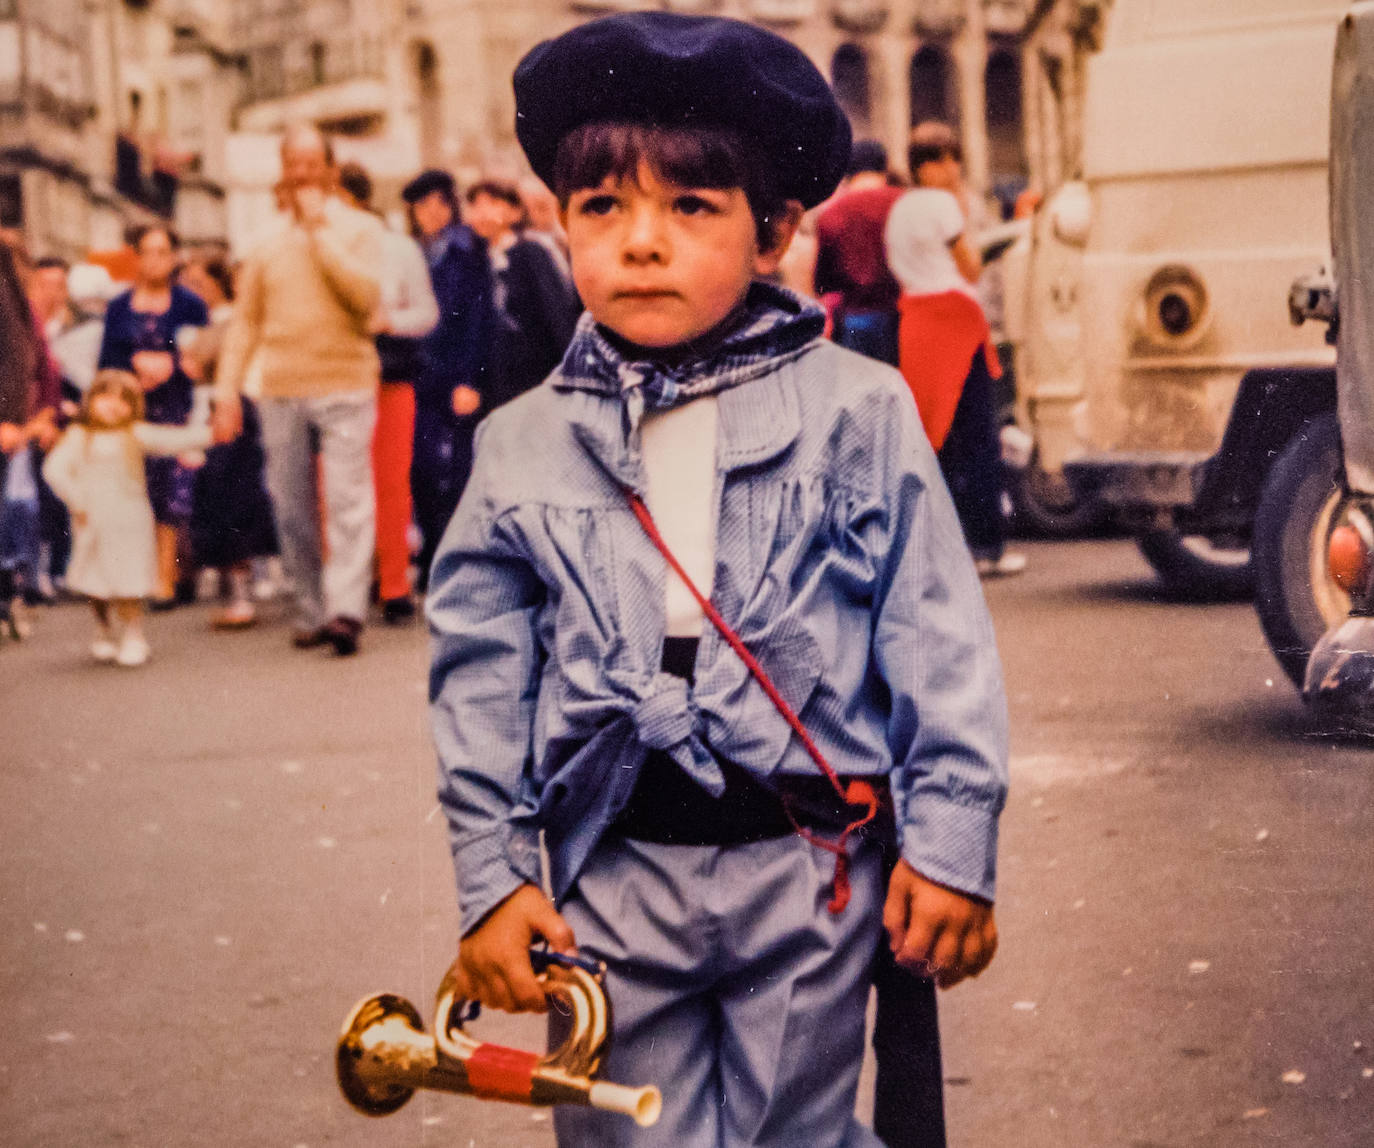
[936, 931]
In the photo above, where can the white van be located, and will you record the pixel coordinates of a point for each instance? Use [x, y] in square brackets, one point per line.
[1152, 325]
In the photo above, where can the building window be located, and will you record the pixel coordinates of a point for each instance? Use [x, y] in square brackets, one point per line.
[1006, 145]
[11, 200]
[268, 73]
[428, 101]
[849, 75]
[932, 87]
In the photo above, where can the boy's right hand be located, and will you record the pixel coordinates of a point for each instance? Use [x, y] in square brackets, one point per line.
[493, 965]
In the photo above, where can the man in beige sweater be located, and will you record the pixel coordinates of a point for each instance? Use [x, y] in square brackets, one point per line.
[306, 297]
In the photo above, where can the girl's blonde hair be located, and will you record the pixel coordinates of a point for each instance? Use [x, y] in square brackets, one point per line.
[121, 383]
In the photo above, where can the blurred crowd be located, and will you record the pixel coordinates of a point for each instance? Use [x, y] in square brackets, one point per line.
[469, 306]
[326, 388]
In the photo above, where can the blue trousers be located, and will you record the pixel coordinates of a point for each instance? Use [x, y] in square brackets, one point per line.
[971, 460]
[733, 988]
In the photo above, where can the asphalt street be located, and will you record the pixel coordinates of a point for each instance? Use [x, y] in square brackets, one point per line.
[208, 860]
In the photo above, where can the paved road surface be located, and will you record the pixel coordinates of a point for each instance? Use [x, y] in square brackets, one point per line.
[207, 861]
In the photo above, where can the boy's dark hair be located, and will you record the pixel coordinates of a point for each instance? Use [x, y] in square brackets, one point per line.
[717, 158]
[931, 142]
[353, 178]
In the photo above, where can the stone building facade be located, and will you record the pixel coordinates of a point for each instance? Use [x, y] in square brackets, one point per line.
[405, 84]
[113, 112]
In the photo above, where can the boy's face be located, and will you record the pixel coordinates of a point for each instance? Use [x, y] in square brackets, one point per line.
[661, 264]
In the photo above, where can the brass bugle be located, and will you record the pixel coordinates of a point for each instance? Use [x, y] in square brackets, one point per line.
[384, 1054]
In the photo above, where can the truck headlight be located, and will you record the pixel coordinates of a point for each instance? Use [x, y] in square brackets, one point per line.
[1176, 312]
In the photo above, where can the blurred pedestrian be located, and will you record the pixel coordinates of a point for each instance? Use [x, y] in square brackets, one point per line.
[53, 311]
[536, 305]
[307, 296]
[231, 514]
[541, 220]
[76, 346]
[140, 336]
[456, 385]
[48, 295]
[97, 469]
[946, 352]
[851, 261]
[408, 312]
[28, 427]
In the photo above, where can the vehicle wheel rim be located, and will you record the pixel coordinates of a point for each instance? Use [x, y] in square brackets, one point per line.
[1333, 603]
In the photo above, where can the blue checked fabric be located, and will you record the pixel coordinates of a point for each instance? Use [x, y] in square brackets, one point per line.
[840, 563]
[774, 325]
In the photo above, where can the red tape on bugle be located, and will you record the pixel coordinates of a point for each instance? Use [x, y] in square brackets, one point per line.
[499, 1073]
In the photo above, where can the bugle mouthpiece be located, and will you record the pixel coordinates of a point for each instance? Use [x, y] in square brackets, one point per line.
[644, 1105]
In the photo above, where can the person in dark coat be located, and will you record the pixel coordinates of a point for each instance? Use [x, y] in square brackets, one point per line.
[141, 329]
[231, 513]
[456, 386]
[536, 304]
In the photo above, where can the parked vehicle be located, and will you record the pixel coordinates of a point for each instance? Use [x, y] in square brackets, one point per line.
[1157, 370]
[1314, 533]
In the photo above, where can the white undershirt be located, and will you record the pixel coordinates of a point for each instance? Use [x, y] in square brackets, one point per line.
[679, 448]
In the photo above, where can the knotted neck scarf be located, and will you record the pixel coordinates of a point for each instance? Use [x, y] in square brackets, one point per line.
[771, 326]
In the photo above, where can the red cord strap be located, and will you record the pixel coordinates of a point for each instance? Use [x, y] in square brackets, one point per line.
[858, 792]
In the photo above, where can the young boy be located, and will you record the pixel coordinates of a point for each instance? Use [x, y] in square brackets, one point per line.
[579, 691]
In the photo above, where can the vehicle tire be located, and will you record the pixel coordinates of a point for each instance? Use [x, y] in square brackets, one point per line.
[1044, 505]
[1300, 503]
[1193, 567]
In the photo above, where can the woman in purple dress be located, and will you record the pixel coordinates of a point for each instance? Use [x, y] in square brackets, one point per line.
[141, 336]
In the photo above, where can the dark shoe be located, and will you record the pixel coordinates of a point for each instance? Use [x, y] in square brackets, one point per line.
[309, 639]
[342, 634]
[162, 605]
[397, 611]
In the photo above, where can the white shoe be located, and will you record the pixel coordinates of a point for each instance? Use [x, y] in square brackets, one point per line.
[133, 650]
[1011, 562]
[103, 649]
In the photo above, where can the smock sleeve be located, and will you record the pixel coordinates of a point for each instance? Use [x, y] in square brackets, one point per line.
[934, 647]
[482, 609]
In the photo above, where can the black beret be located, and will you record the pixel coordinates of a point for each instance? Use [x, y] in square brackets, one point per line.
[426, 183]
[671, 70]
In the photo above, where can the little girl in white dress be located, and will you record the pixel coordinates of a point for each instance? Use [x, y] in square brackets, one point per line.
[97, 470]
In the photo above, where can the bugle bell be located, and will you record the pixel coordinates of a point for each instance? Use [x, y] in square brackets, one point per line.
[384, 1054]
